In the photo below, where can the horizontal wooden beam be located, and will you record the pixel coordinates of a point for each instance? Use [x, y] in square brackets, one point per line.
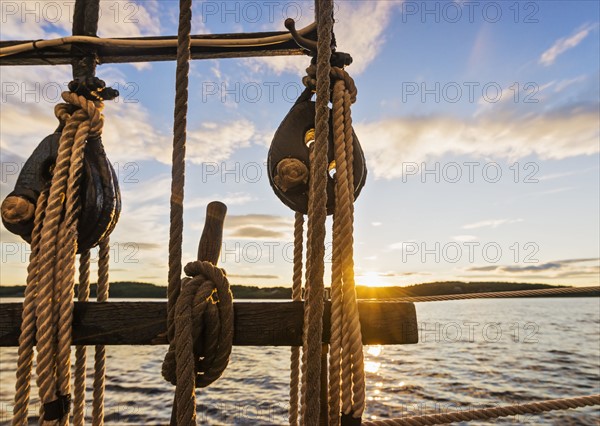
[62, 55]
[256, 324]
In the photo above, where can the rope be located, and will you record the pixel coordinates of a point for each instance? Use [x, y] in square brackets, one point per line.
[203, 337]
[81, 351]
[178, 162]
[26, 338]
[296, 296]
[177, 188]
[496, 294]
[317, 214]
[346, 349]
[199, 327]
[491, 413]
[49, 296]
[99, 351]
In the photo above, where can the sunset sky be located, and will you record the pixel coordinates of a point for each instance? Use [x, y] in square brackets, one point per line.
[479, 121]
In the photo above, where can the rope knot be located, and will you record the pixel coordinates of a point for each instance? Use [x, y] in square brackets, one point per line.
[200, 350]
[336, 74]
[79, 109]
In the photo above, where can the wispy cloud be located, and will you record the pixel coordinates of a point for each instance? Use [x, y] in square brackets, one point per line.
[492, 223]
[254, 276]
[568, 268]
[359, 31]
[464, 238]
[560, 134]
[258, 226]
[563, 44]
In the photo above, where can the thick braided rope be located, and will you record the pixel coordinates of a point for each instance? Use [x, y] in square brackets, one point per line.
[491, 413]
[296, 296]
[102, 289]
[65, 262]
[83, 295]
[317, 214]
[178, 160]
[351, 316]
[203, 336]
[26, 338]
[346, 315]
[178, 175]
[497, 294]
[54, 305]
[309, 232]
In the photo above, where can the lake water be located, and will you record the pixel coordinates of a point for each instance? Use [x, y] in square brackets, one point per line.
[473, 354]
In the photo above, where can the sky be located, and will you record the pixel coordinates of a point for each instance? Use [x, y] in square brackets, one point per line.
[479, 121]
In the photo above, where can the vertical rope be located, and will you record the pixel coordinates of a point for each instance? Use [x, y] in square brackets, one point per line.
[99, 351]
[296, 296]
[178, 176]
[58, 245]
[178, 161]
[317, 214]
[81, 351]
[26, 338]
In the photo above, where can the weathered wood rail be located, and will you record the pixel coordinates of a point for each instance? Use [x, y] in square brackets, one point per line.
[64, 55]
[256, 324]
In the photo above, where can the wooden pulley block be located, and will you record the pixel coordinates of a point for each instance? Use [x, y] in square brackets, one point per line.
[288, 162]
[100, 197]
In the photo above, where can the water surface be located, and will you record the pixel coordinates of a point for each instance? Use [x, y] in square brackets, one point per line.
[473, 354]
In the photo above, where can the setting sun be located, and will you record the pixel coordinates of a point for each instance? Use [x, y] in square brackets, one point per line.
[372, 279]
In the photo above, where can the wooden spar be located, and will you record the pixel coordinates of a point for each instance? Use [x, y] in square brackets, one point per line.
[256, 324]
[111, 54]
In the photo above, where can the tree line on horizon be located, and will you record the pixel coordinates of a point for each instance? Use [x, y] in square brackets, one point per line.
[131, 289]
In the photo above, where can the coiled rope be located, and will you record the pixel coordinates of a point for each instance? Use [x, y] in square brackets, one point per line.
[200, 308]
[48, 306]
[200, 351]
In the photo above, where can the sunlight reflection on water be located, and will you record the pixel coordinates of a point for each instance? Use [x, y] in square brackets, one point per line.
[508, 351]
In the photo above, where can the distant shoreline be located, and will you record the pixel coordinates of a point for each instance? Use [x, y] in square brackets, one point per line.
[139, 290]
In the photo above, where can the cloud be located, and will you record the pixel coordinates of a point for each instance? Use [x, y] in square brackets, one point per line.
[254, 276]
[391, 142]
[359, 30]
[258, 226]
[130, 132]
[464, 238]
[567, 268]
[256, 232]
[494, 223]
[563, 44]
[401, 245]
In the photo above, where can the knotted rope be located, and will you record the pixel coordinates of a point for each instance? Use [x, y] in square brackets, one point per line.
[48, 305]
[200, 309]
[203, 336]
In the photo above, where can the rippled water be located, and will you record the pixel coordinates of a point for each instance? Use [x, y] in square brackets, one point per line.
[473, 354]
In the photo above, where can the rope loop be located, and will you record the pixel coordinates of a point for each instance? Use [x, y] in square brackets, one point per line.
[199, 353]
[336, 73]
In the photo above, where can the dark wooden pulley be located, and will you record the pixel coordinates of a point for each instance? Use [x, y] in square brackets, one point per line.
[288, 162]
[100, 197]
